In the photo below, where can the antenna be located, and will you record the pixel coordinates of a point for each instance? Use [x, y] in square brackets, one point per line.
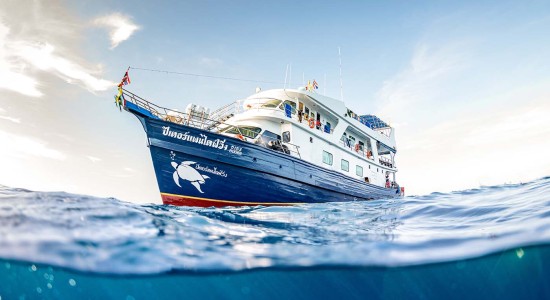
[286, 74]
[341, 89]
[290, 79]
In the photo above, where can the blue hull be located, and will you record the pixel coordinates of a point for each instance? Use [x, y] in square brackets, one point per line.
[195, 167]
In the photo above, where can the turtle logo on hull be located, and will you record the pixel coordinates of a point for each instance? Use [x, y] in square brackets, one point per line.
[184, 171]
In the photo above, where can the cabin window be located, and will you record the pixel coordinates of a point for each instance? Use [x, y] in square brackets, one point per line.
[286, 136]
[345, 165]
[268, 136]
[292, 104]
[272, 103]
[327, 158]
[248, 131]
[307, 113]
[359, 171]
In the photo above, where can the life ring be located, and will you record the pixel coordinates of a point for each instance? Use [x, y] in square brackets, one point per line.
[311, 123]
[356, 147]
[240, 137]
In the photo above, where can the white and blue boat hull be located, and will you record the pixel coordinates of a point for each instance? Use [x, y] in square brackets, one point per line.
[195, 167]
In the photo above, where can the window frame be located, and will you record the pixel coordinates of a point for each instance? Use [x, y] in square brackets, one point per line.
[329, 156]
[342, 165]
[357, 168]
[270, 103]
[286, 137]
[251, 132]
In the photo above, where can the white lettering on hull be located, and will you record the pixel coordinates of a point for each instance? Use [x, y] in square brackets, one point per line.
[202, 139]
[214, 171]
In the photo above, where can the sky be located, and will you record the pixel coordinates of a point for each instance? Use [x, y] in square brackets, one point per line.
[465, 84]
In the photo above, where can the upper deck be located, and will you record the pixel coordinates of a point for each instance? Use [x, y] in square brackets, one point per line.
[289, 121]
[333, 111]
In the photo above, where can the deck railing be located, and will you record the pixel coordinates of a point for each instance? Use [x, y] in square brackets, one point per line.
[386, 162]
[261, 104]
[202, 120]
[192, 118]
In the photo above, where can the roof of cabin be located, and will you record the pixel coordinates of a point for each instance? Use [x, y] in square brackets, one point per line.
[373, 122]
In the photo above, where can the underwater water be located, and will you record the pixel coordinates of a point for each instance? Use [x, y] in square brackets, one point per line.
[491, 242]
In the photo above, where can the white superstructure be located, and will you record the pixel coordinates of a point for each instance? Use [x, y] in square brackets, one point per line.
[318, 129]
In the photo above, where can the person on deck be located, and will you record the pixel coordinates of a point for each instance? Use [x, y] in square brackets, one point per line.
[397, 189]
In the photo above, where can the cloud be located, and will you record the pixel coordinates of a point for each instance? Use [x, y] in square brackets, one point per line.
[8, 118]
[420, 82]
[493, 146]
[10, 78]
[93, 158]
[20, 146]
[14, 120]
[120, 27]
[44, 57]
[460, 129]
[43, 43]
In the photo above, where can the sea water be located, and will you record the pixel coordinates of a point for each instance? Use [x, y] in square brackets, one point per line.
[486, 243]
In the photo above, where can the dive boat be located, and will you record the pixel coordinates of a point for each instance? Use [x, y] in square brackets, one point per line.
[276, 147]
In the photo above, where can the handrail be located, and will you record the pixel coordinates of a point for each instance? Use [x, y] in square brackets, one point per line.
[280, 146]
[296, 149]
[386, 162]
[192, 119]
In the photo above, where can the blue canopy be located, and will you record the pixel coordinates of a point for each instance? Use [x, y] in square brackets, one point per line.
[373, 122]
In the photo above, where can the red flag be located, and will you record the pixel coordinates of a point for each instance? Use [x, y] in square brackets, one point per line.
[125, 80]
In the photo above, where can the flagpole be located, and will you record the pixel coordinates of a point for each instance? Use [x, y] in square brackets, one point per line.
[290, 79]
[286, 74]
[341, 89]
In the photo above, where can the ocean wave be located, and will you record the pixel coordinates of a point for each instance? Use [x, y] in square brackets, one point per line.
[106, 235]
